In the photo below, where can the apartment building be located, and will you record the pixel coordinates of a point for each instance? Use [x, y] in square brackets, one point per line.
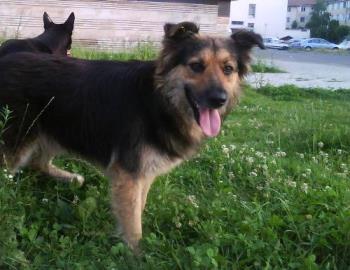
[299, 13]
[266, 17]
[339, 10]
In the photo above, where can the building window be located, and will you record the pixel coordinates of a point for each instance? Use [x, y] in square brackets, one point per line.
[288, 19]
[224, 9]
[344, 4]
[302, 19]
[251, 25]
[303, 9]
[252, 8]
[289, 9]
[237, 23]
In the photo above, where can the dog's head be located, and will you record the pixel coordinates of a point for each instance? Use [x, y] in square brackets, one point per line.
[201, 75]
[59, 36]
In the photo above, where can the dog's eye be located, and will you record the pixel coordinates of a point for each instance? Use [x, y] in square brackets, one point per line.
[228, 70]
[197, 67]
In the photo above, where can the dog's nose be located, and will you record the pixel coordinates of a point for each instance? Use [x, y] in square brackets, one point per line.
[217, 98]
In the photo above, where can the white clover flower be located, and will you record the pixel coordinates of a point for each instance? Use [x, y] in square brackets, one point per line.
[233, 147]
[339, 151]
[343, 166]
[327, 188]
[231, 175]
[44, 200]
[259, 154]
[250, 160]
[265, 167]
[304, 187]
[192, 199]
[308, 171]
[10, 176]
[323, 154]
[280, 154]
[274, 162]
[301, 155]
[292, 183]
[303, 175]
[254, 174]
[259, 187]
[178, 224]
[225, 150]
[308, 216]
[320, 144]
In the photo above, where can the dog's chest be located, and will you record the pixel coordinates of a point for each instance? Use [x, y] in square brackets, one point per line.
[155, 163]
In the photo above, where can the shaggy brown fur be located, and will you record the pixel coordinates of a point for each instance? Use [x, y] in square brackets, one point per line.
[135, 119]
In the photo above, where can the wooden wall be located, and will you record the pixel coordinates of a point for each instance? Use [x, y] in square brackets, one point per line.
[109, 24]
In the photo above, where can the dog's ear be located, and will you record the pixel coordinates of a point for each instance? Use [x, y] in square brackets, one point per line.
[180, 31]
[69, 23]
[247, 40]
[47, 21]
[243, 42]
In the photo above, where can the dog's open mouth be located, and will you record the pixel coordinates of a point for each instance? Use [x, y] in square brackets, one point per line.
[208, 119]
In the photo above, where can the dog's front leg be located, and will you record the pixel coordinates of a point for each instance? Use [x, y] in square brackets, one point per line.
[127, 206]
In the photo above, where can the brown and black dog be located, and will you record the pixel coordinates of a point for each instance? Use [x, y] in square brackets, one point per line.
[56, 39]
[135, 119]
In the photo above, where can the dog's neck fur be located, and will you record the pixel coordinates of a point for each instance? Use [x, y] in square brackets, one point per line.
[49, 42]
[183, 135]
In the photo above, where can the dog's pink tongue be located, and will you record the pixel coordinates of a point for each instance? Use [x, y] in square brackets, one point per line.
[210, 122]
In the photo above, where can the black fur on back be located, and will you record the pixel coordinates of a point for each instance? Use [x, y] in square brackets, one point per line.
[56, 39]
[107, 110]
[92, 108]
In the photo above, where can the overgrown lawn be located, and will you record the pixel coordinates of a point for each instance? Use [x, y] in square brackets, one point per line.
[271, 192]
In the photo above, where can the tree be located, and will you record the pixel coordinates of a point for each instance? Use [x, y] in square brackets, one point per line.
[294, 24]
[322, 26]
[319, 20]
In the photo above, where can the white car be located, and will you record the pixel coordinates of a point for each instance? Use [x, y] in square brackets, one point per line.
[275, 43]
[345, 45]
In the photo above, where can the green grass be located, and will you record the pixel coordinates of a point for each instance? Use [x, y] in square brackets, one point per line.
[271, 192]
[261, 67]
[142, 52]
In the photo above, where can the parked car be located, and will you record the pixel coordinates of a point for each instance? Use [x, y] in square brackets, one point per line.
[345, 45]
[314, 43]
[275, 43]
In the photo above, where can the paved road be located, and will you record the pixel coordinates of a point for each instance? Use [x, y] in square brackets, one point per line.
[306, 69]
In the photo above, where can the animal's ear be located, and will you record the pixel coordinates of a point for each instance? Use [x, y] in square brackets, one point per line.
[47, 21]
[247, 40]
[180, 31]
[69, 23]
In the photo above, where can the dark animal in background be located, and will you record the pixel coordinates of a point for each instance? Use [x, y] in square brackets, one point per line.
[135, 119]
[56, 39]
